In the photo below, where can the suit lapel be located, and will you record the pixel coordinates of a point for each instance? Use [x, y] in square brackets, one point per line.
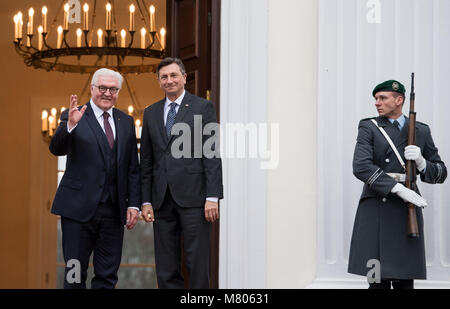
[160, 120]
[96, 129]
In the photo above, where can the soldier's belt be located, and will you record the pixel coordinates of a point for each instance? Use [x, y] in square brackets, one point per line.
[397, 176]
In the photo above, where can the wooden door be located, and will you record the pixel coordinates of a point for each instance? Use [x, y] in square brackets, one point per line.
[194, 37]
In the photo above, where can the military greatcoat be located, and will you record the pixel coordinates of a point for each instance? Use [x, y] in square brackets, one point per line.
[380, 227]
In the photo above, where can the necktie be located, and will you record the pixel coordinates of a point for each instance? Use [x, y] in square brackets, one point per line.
[171, 118]
[397, 125]
[108, 130]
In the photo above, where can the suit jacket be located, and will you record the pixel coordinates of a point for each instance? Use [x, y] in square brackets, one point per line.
[380, 228]
[191, 180]
[81, 187]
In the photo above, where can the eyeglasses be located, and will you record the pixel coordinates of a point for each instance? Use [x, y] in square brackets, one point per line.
[103, 89]
[174, 76]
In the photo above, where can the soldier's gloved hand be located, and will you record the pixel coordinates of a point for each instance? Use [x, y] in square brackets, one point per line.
[414, 153]
[409, 196]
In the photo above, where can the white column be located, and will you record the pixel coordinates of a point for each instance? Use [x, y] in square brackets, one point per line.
[291, 188]
[242, 257]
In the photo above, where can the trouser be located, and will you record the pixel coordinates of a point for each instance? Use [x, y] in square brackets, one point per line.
[171, 223]
[103, 235]
[396, 285]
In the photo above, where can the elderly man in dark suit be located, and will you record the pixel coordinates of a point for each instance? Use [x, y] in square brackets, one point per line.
[100, 190]
[380, 228]
[179, 194]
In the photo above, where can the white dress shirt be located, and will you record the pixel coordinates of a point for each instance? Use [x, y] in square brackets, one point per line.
[177, 108]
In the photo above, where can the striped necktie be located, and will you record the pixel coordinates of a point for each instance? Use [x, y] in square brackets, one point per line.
[108, 130]
[171, 118]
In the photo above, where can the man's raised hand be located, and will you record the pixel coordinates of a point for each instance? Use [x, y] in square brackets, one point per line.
[75, 115]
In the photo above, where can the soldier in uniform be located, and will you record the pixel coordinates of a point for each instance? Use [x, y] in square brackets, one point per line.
[380, 227]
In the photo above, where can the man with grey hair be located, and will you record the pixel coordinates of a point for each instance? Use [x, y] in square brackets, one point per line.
[100, 190]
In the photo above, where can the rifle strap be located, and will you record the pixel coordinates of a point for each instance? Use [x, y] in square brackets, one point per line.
[391, 143]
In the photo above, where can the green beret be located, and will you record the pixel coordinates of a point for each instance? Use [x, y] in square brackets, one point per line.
[390, 85]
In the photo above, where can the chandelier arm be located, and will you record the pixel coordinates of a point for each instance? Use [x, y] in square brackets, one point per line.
[44, 39]
[129, 90]
[86, 85]
[31, 47]
[64, 38]
[54, 64]
[19, 48]
[133, 95]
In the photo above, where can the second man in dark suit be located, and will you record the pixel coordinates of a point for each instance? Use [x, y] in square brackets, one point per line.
[180, 195]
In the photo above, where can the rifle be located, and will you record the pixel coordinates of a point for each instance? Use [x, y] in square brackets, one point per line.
[411, 171]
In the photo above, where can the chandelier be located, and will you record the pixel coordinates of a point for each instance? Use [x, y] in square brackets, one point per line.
[91, 46]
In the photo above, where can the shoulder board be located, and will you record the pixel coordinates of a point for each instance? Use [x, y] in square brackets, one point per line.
[418, 123]
[365, 119]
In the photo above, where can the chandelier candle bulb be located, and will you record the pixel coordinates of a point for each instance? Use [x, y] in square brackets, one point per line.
[143, 32]
[86, 17]
[50, 121]
[44, 121]
[132, 8]
[152, 19]
[44, 19]
[138, 129]
[59, 41]
[123, 35]
[100, 35]
[163, 38]
[28, 37]
[20, 25]
[16, 27]
[66, 16]
[108, 16]
[79, 32]
[30, 21]
[40, 42]
[53, 124]
[130, 110]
